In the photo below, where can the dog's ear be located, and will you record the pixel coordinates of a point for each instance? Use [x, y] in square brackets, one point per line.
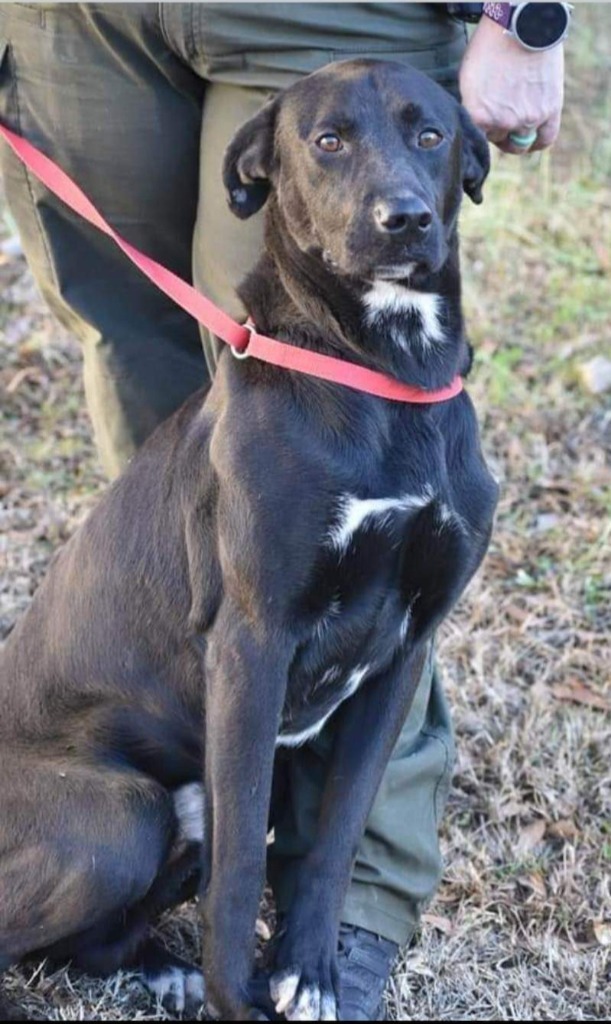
[249, 162]
[475, 157]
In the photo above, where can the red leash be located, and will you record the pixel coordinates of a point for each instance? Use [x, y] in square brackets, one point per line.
[243, 339]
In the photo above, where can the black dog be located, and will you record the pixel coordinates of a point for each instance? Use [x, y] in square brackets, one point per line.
[280, 547]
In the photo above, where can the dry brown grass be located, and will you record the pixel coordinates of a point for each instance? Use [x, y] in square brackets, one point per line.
[521, 927]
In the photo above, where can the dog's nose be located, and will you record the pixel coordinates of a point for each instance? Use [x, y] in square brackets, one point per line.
[406, 214]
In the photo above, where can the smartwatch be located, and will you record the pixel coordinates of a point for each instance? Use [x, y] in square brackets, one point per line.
[536, 26]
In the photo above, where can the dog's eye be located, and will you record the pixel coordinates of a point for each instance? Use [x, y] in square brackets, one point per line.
[329, 143]
[429, 138]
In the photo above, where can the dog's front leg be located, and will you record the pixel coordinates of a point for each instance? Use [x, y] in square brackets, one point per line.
[245, 686]
[304, 985]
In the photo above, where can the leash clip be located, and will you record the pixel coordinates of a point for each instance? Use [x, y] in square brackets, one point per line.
[244, 353]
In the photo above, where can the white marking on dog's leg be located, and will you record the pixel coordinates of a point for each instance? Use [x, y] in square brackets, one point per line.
[178, 986]
[282, 987]
[307, 1006]
[168, 982]
[194, 987]
[189, 808]
[328, 1008]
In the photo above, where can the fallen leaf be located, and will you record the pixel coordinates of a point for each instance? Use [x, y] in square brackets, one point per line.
[534, 882]
[578, 693]
[516, 613]
[511, 810]
[564, 829]
[595, 375]
[602, 931]
[546, 521]
[442, 924]
[416, 963]
[531, 835]
[555, 485]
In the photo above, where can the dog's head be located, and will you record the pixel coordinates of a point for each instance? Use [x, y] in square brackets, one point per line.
[368, 161]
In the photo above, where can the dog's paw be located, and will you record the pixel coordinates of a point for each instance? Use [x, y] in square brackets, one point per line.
[178, 987]
[303, 994]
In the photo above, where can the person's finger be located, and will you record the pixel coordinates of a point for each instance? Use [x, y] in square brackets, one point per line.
[500, 135]
[506, 145]
[496, 135]
[548, 133]
[509, 147]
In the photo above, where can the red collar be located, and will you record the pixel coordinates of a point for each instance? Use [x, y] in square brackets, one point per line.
[243, 339]
[337, 370]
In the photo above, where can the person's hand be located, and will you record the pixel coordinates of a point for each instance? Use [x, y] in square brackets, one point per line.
[507, 88]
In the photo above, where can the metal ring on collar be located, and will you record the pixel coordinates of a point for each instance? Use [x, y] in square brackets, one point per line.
[244, 353]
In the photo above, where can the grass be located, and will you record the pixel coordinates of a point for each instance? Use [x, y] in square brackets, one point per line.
[521, 926]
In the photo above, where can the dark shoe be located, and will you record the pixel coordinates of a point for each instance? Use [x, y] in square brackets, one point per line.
[365, 961]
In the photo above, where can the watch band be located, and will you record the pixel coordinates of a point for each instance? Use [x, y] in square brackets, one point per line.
[501, 13]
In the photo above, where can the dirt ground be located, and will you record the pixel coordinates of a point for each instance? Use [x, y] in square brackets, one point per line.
[521, 926]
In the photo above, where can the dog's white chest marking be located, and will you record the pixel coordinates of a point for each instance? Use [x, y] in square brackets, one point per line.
[354, 680]
[354, 512]
[189, 808]
[386, 298]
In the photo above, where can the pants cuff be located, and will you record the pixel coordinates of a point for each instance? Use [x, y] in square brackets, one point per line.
[380, 915]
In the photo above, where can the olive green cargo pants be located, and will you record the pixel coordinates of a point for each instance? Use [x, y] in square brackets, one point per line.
[137, 102]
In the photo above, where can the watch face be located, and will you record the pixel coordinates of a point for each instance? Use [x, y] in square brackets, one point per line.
[539, 25]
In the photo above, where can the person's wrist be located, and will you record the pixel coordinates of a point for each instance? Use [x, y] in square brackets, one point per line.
[493, 34]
